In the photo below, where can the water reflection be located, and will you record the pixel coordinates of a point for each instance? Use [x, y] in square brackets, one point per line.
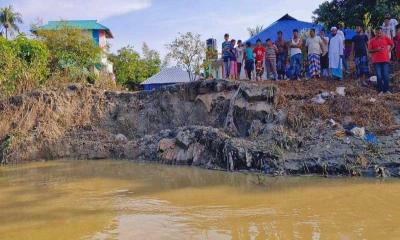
[124, 200]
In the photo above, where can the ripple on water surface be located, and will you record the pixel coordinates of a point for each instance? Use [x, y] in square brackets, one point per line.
[125, 200]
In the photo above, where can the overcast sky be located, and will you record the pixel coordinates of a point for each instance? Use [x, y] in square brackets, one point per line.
[157, 22]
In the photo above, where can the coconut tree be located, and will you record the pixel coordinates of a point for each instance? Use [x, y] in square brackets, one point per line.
[9, 20]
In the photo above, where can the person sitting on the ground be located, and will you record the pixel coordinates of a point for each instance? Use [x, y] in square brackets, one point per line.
[233, 64]
[239, 57]
[314, 50]
[379, 49]
[249, 60]
[226, 55]
[360, 46]
[282, 56]
[270, 60]
[259, 52]
[397, 42]
[324, 55]
[336, 55]
[296, 57]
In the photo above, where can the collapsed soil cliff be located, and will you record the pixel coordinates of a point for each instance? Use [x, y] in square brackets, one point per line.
[275, 128]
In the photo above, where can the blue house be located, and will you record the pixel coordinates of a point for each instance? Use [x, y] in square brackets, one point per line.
[286, 24]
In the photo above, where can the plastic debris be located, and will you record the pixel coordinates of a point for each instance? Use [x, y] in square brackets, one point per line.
[332, 122]
[325, 94]
[121, 138]
[341, 91]
[340, 134]
[370, 138]
[358, 132]
[318, 99]
[373, 79]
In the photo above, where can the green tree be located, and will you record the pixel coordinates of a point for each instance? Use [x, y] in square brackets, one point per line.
[151, 61]
[131, 69]
[9, 20]
[73, 53]
[188, 50]
[355, 12]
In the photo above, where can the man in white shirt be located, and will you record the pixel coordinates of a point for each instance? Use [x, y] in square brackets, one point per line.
[314, 49]
[296, 58]
[387, 28]
[336, 48]
[392, 22]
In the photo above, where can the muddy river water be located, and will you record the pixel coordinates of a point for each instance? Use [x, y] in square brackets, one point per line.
[126, 200]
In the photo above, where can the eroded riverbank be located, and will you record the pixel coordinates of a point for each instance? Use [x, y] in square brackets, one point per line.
[272, 127]
[127, 200]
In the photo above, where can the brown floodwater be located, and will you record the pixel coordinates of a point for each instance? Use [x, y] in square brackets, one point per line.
[95, 200]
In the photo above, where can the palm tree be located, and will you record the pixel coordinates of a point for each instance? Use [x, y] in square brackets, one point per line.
[9, 19]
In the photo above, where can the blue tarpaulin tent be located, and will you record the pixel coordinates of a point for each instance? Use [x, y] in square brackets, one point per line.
[287, 24]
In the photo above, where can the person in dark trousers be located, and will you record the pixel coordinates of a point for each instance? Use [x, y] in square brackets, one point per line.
[282, 56]
[296, 57]
[239, 57]
[380, 46]
[359, 49]
[249, 60]
[226, 55]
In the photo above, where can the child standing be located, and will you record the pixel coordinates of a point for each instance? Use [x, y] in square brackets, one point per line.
[249, 60]
[270, 60]
[233, 71]
[259, 52]
[239, 57]
[226, 55]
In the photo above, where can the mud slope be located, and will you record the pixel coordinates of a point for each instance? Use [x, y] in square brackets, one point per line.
[277, 129]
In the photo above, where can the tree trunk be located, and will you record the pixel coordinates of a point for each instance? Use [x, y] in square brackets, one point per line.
[6, 33]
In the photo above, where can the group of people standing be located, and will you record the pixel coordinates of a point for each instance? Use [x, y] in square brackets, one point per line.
[316, 56]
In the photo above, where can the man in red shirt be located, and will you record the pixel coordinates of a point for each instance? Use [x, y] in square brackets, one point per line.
[379, 49]
[259, 52]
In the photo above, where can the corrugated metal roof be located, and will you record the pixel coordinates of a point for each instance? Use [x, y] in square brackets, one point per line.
[79, 24]
[168, 75]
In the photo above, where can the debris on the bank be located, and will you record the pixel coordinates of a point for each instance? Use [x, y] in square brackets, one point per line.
[325, 94]
[380, 172]
[358, 132]
[340, 134]
[341, 91]
[372, 100]
[371, 138]
[373, 79]
[319, 99]
[332, 122]
[121, 138]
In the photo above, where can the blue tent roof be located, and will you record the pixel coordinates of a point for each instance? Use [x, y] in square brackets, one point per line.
[286, 24]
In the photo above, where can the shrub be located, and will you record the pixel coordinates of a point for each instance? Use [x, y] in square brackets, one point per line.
[23, 63]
